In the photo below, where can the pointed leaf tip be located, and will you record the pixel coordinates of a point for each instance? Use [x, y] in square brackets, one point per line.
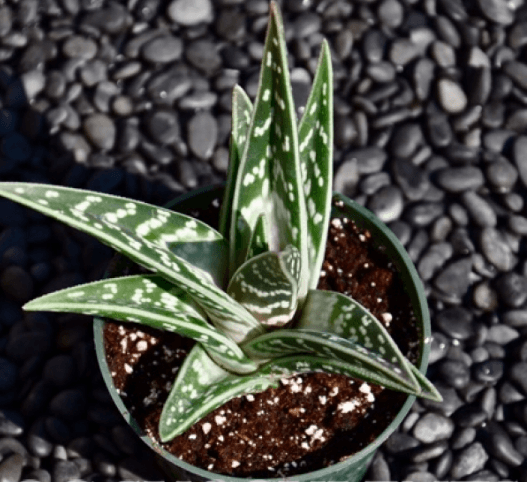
[269, 180]
[152, 301]
[144, 233]
[315, 137]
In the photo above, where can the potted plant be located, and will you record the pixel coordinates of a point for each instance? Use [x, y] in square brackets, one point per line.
[247, 292]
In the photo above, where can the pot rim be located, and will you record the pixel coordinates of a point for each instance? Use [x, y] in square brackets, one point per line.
[409, 275]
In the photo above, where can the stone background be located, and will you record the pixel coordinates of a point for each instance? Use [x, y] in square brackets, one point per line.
[133, 98]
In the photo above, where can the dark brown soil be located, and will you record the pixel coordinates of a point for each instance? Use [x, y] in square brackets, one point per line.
[311, 421]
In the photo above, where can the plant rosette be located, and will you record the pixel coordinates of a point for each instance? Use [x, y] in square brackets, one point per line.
[247, 292]
[354, 467]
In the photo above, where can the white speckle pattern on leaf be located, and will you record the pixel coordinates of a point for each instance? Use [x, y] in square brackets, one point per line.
[279, 190]
[266, 285]
[153, 301]
[274, 138]
[316, 160]
[149, 250]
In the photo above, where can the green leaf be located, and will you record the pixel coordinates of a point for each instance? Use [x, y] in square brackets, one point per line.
[149, 300]
[338, 314]
[260, 238]
[292, 365]
[199, 379]
[209, 256]
[345, 317]
[371, 365]
[315, 137]
[241, 118]
[144, 233]
[427, 389]
[160, 226]
[266, 286]
[202, 386]
[269, 178]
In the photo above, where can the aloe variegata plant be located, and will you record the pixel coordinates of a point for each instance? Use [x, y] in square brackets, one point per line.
[246, 293]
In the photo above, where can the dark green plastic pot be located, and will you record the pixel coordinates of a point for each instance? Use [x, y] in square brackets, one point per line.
[352, 469]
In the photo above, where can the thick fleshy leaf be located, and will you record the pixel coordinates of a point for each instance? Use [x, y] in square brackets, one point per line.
[315, 138]
[259, 243]
[149, 300]
[241, 118]
[202, 386]
[200, 380]
[335, 313]
[292, 365]
[135, 230]
[269, 178]
[319, 303]
[427, 389]
[162, 227]
[266, 286]
[210, 256]
[373, 366]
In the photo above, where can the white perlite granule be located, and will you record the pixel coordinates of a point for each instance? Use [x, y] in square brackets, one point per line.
[387, 317]
[346, 407]
[219, 419]
[365, 388]
[141, 345]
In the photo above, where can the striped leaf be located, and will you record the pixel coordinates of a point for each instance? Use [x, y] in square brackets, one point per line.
[347, 324]
[241, 118]
[201, 387]
[289, 366]
[266, 286]
[162, 227]
[372, 366]
[200, 380]
[427, 390]
[149, 300]
[340, 315]
[135, 230]
[315, 138]
[269, 177]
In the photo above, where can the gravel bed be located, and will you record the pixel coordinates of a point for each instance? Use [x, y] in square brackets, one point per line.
[133, 98]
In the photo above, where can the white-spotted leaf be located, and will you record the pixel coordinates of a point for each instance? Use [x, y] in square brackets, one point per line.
[241, 118]
[144, 243]
[266, 286]
[292, 365]
[201, 387]
[149, 300]
[338, 314]
[162, 227]
[315, 138]
[269, 180]
[370, 363]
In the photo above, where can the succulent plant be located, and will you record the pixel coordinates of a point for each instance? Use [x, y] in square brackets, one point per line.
[246, 293]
